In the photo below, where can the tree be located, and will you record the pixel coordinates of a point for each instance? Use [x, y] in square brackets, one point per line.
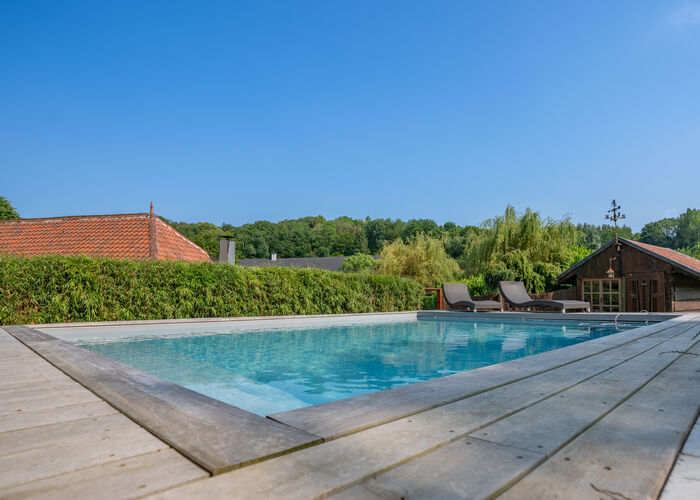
[423, 259]
[590, 235]
[415, 227]
[688, 234]
[661, 232]
[7, 211]
[523, 247]
[607, 233]
[693, 251]
[204, 234]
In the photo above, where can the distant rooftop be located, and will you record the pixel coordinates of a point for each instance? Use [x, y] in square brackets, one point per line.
[327, 263]
[122, 236]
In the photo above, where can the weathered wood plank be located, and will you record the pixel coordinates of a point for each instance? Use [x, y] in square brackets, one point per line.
[692, 444]
[630, 451]
[466, 468]
[215, 435]
[31, 465]
[684, 481]
[47, 416]
[548, 425]
[355, 457]
[541, 428]
[38, 400]
[50, 387]
[53, 434]
[338, 418]
[30, 383]
[128, 478]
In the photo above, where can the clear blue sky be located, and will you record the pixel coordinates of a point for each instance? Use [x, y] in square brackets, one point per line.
[239, 111]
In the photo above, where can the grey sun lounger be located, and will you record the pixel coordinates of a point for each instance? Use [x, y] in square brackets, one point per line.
[515, 294]
[457, 295]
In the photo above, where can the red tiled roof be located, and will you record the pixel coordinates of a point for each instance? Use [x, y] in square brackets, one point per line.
[672, 255]
[124, 236]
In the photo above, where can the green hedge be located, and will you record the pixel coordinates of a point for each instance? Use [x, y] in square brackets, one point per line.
[55, 289]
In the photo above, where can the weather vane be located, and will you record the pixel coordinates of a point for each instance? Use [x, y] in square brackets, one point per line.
[614, 215]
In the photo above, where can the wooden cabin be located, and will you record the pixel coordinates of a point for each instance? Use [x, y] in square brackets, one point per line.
[631, 276]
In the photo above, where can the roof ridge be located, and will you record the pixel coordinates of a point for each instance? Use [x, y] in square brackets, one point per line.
[38, 219]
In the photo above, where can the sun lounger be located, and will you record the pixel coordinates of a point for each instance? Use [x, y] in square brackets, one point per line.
[515, 294]
[457, 296]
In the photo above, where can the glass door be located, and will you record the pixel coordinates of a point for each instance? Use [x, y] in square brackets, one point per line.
[604, 294]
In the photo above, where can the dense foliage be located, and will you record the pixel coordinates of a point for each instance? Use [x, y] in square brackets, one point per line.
[65, 289]
[423, 259]
[681, 233]
[525, 248]
[509, 247]
[7, 211]
[318, 237]
[359, 263]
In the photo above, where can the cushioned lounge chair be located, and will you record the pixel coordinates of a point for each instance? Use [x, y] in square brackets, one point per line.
[457, 296]
[515, 294]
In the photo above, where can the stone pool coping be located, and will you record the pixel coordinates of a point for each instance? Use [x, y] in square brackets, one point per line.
[220, 437]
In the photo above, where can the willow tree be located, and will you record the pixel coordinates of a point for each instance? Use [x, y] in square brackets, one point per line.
[525, 247]
[423, 258]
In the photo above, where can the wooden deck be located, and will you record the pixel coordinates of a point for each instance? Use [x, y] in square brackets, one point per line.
[59, 440]
[603, 419]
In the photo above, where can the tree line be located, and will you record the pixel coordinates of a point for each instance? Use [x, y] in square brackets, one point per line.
[513, 246]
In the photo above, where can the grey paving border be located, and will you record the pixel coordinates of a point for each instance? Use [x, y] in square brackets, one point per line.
[215, 435]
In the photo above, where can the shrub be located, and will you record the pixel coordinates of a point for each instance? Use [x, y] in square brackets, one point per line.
[429, 302]
[477, 285]
[53, 289]
[359, 263]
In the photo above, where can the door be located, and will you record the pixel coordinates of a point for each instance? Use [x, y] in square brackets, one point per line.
[604, 294]
[646, 292]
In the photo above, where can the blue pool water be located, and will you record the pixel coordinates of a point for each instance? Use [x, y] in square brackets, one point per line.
[270, 371]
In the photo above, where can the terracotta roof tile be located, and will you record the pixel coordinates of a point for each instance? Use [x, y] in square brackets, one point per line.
[680, 258]
[124, 236]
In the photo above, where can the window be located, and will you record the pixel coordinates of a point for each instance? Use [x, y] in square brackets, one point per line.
[604, 295]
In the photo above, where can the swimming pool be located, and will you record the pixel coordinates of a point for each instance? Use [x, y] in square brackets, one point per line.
[267, 371]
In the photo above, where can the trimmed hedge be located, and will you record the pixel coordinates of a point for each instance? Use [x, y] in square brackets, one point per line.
[56, 289]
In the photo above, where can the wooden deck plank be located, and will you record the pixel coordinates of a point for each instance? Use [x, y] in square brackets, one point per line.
[41, 399]
[338, 418]
[684, 482]
[47, 416]
[129, 478]
[32, 383]
[56, 448]
[539, 429]
[629, 452]
[358, 456]
[227, 437]
[466, 468]
[61, 432]
[692, 444]
[548, 425]
[70, 456]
